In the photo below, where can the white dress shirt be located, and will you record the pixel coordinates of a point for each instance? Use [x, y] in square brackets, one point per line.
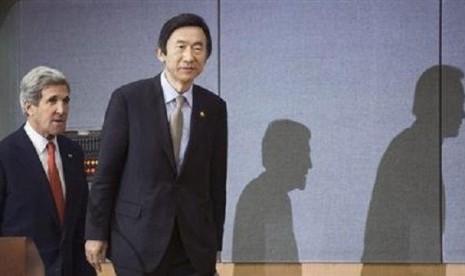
[170, 94]
[40, 145]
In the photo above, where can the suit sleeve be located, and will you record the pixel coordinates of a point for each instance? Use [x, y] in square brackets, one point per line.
[80, 264]
[2, 194]
[218, 172]
[112, 158]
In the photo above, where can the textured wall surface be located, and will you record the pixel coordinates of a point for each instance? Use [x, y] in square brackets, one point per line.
[100, 45]
[453, 154]
[326, 155]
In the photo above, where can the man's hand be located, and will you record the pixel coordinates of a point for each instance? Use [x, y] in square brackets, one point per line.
[96, 252]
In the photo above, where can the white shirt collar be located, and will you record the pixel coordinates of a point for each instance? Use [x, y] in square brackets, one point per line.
[39, 141]
[170, 93]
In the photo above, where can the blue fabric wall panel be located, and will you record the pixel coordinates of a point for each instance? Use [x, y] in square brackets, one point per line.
[343, 72]
[453, 155]
[101, 45]
[346, 70]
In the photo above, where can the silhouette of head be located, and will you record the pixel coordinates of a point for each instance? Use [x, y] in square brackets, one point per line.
[440, 85]
[286, 152]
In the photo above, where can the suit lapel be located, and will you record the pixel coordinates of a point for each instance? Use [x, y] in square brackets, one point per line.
[162, 120]
[28, 152]
[197, 127]
[69, 175]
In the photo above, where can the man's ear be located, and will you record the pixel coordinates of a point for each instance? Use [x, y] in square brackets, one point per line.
[160, 55]
[28, 107]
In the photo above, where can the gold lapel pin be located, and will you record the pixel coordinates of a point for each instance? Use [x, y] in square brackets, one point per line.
[202, 114]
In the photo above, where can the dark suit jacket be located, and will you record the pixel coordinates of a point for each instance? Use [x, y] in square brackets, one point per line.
[137, 194]
[27, 207]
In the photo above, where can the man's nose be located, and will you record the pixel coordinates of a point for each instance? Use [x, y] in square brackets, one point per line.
[60, 108]
[187, 55]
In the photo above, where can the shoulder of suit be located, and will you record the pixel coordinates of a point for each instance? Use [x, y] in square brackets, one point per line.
[201, 91]
[69, 144]
[137, 86]
[12, 138]
[9, 145]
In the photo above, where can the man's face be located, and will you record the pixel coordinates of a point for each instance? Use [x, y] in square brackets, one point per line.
[186, 54]
[49, 116]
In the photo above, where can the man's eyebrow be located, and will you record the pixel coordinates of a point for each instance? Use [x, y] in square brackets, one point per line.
[180, 41]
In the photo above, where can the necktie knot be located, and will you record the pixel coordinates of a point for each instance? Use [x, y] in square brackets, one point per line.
[179, 102]
[51, 147]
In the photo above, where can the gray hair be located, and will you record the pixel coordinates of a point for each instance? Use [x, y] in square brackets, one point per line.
[35, 81]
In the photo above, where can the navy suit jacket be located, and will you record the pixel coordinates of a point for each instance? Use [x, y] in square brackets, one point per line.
[137, 194]
[27, 207]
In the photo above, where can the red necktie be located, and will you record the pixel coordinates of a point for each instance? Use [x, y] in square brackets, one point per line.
[55, 183]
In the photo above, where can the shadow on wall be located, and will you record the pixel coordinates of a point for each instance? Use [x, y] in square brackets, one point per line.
[263, 226]
[404, 218]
